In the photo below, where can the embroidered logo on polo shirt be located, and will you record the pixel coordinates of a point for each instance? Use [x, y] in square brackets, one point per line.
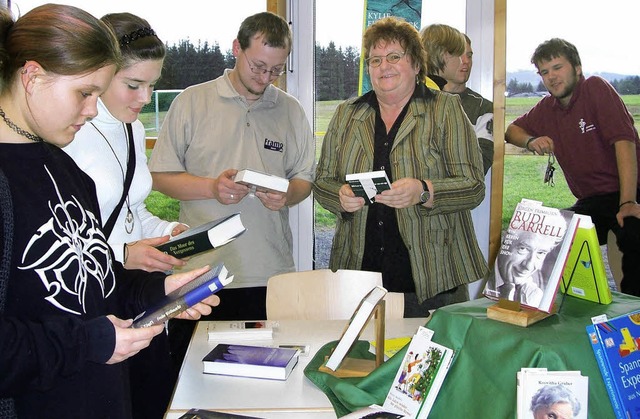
[273, 145]
[584, 128]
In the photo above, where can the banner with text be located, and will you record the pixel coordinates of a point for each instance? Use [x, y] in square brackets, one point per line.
[409, 10]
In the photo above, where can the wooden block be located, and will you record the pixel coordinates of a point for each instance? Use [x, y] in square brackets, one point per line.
[352, 367]
[516, 315]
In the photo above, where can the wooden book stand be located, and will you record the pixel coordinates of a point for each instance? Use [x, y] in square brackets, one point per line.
[512, 312]
[356, 367]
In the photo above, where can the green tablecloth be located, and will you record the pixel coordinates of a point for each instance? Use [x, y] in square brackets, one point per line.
[482, 379]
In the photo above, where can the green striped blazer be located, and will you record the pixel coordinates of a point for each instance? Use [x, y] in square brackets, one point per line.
[435, 141]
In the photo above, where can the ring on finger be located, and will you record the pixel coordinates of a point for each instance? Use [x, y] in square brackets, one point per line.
[231, 196]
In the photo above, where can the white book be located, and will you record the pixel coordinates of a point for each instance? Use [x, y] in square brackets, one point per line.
[262, 181]
[535, 386]
[240, 330]
[420, 376]
[358, 321]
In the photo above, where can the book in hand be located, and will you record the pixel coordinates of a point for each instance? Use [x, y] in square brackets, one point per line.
[358, 321]
[250, 361]
[584, 275]
[204, 237]
[537, 386]
[184, 297]
[420, 376]
[616, 347]
[532, 256]
[263, 182]
[240, 330]
[369, 184]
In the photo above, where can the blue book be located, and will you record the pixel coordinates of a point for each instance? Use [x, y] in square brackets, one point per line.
[251, 361]
[184, 297]
[616, 346]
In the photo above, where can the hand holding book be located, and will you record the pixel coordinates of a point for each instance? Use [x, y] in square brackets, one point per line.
[189, 295]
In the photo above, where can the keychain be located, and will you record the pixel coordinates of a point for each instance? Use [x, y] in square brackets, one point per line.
[548, 174]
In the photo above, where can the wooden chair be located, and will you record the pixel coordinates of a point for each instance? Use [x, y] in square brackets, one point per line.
[325, 295]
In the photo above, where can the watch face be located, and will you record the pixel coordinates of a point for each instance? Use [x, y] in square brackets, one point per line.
[424, 196]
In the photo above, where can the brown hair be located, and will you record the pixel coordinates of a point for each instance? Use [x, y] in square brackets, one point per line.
[275, 29]
[438, 39]
[554, 48]
[394, 29]
[138, 41]
[63, 39]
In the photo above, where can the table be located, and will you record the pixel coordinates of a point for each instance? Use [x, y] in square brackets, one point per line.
[482, 380]
[268, 398]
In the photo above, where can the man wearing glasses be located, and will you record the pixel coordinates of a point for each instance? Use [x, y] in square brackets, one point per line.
[240, 121]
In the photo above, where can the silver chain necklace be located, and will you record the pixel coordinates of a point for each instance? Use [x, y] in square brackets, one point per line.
[19, 130]
[129, 221]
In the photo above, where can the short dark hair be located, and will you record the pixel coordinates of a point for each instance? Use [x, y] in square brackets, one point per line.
[554, 48]
[275, 29]
[395, 29]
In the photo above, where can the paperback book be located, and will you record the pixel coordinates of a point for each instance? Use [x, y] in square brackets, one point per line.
[262, 181]
[358, 321]
[240, 330]
[584, 275]
[616, 347]
[250, 361]
[420, 376]
[184, 297]
[532, 256]
[368, 184]
[205, 237]
[536, 386]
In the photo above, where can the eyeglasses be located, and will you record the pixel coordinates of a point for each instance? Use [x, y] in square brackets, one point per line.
[392, 58]
[259, 69]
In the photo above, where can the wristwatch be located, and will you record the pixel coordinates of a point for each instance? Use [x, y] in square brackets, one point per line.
[425, 195]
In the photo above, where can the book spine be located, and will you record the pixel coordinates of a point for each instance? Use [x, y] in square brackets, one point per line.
[605, 371]
[195, 296]
[181, 303]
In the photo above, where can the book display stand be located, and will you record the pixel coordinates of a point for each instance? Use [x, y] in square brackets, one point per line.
[356, 367]
[513, 312]
[585, 271]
